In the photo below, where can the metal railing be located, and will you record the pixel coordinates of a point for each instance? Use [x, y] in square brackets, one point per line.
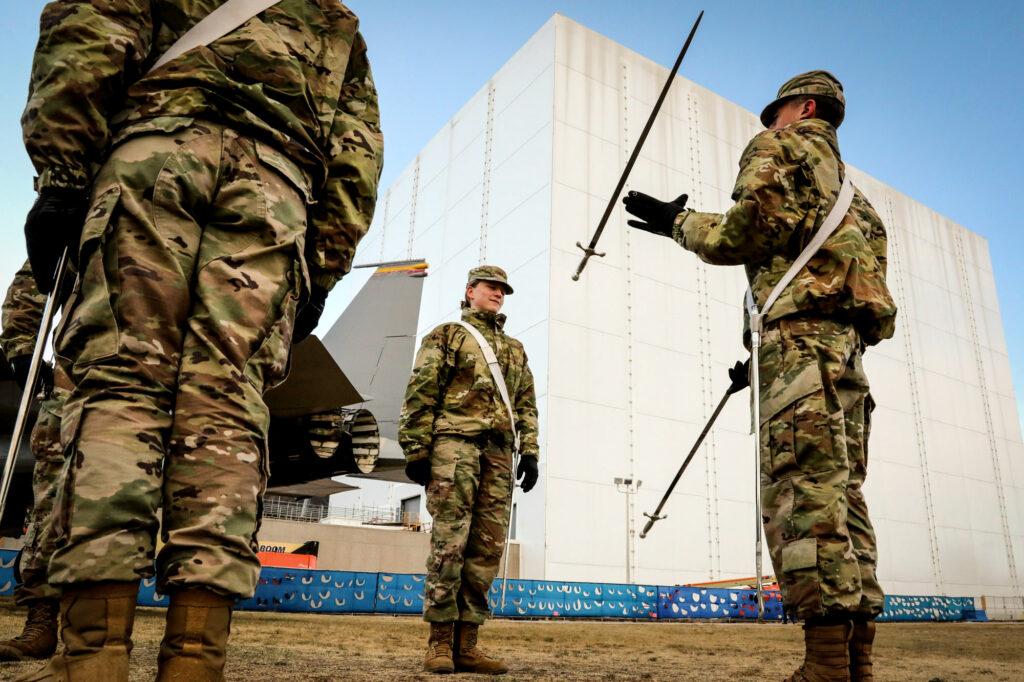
[295, 510]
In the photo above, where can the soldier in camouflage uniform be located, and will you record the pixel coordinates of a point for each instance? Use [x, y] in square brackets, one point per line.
[223, 191]
[458, 442]
[22, 316]
[815, 405]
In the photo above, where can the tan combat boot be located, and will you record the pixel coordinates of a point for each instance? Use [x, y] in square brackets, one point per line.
[860, 651]
[439, 649]
[38, 639]
[195, 641]
[827, 657]
[469, 658]
[96, 627]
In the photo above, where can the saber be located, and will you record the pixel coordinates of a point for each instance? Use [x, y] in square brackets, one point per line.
[756, 317]
[30, 382]
[508, 530]
[657, 515]
[589, 251]
[755, 383]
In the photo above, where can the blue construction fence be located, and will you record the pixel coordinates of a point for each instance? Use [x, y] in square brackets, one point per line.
[314, 591]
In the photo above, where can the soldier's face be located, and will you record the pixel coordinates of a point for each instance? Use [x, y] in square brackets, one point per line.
[792, 111]
[486, 295]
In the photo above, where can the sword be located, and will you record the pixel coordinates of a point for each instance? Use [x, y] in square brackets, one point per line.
[657, 515]
[755, 387]
[30, 383]
[508, 529]
[589, 251]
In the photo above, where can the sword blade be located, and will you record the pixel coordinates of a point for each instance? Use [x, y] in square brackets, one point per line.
[588, 252]
[655, 517]
[508, 529]
[30, 383]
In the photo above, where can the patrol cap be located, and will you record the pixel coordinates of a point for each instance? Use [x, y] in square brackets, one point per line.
[491, 273]
[819, 84]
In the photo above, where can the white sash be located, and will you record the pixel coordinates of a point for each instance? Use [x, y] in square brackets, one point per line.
[214, 25]
[828, 226]
[496, 376]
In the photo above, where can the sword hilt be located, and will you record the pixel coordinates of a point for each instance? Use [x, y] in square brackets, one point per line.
[652, 519]
[587, 253]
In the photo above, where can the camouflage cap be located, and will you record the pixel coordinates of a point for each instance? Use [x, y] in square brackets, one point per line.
[814, 83]
[491, 273]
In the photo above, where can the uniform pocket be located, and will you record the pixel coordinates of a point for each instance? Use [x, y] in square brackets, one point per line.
[268, 365]
[88, 331]
[799, 555]
[284, 166]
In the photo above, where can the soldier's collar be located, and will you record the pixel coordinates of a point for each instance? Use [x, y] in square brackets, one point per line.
[484, 317]
[819, 126]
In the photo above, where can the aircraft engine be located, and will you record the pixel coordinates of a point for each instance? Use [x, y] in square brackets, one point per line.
[322, 445]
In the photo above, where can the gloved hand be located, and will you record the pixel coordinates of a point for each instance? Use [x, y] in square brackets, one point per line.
[739, 374]
[527, 472]
[656, 217]
[20, 365]
[54, 223]
[418, 471]
[308, 316]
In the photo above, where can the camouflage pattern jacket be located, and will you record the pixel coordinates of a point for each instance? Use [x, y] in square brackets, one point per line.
[788, 181]
[451, 391]
[296, 77]
[22, 314]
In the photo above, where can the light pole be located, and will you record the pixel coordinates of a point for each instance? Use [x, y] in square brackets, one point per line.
[628, 486]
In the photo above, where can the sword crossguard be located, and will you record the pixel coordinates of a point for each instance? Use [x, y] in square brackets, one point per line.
[587, 253]
[654, 518]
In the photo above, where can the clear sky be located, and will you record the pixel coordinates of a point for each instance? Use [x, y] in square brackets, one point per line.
[935, 92]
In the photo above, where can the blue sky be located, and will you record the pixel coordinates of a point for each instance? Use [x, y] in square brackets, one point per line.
[935, 90]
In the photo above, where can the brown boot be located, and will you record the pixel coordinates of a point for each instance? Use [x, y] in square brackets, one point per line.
[439, 649]
[827, 657]
[195, 641]
[39, 637]
[96, 628]
[860, 651]
[469, 658]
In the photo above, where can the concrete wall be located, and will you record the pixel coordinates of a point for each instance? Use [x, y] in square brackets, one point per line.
[362, 548]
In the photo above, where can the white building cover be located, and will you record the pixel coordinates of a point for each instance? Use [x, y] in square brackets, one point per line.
[630, 361]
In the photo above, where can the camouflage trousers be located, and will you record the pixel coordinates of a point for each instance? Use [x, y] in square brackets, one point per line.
[38, 548]
[813, 466]
[191, 271]
[468, 497]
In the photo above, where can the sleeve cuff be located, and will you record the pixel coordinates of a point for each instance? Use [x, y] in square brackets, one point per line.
[324, 280]
[413, 455]
[678, 226]
[62, 177]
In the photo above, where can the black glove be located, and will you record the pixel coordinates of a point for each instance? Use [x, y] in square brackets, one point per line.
[308, 316]
[655, 216]
[740, 376]
[527, 472]
[54, 223]
[20, 365]
[418, 471]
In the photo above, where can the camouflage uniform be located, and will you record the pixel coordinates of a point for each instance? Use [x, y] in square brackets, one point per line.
[454, 415]
[815, 404]
[194, 256]
[22, 316]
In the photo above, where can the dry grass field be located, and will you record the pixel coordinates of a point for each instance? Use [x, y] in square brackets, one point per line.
[270, 647]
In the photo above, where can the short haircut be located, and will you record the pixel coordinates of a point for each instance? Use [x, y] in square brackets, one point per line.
[465, 299]
[826, 108]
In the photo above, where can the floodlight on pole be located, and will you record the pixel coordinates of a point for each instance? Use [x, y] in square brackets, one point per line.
[628, 486]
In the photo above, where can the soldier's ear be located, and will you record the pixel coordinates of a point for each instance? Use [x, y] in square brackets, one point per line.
[809, 108]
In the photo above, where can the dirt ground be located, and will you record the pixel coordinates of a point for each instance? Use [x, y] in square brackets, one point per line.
[270, 647]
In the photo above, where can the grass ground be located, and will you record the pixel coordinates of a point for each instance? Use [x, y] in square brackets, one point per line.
[269, 647]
